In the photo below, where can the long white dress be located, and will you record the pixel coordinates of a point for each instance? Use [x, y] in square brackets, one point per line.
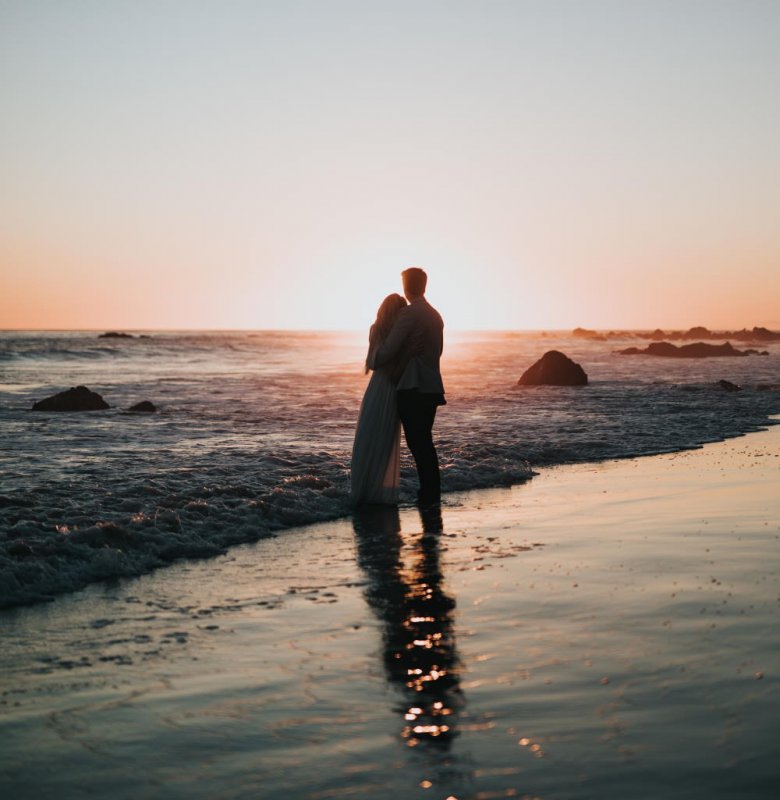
[376, 452]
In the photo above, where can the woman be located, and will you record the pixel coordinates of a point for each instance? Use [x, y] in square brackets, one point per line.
[376, 453]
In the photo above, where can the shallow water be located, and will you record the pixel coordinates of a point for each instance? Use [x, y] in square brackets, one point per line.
[605, 630]
[255, 430]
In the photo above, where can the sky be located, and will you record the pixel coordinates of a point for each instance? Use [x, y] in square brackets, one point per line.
[551, 164]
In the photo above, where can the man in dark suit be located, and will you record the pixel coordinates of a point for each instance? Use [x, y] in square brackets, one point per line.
[418, 332]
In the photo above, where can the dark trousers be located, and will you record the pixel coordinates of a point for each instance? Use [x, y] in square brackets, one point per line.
[417, 412]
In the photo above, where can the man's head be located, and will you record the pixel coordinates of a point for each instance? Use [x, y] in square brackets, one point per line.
[415, 281]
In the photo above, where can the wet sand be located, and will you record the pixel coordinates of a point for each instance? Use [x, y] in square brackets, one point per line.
[605, 630]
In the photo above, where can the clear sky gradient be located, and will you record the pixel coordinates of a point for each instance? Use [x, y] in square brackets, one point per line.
[276, 164]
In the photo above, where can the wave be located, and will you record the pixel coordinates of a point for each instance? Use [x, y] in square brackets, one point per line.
[66, 534]
[61, 354]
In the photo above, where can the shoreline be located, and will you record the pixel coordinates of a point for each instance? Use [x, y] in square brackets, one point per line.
[206, 551]
[572, 624]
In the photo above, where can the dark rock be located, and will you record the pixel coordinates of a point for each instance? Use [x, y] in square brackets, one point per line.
[757, 334]
[697, 350]
[585, 333]
[554, 369]
[116, 335]
[728, 386]
[144, 407]
[655, 349]
[764, 335]
[78, 399]
[697, 332]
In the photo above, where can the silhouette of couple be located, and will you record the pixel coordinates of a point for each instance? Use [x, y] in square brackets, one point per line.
[405, 345]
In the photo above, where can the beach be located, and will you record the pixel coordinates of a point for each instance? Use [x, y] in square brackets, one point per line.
[247, 250]
[603, 630]
[253, 435]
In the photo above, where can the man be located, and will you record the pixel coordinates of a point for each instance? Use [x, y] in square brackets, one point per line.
[418, 333]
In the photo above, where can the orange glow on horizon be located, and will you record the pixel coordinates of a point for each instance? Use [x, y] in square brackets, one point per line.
[159, 177]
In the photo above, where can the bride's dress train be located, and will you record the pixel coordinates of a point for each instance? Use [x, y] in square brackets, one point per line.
[376, 453]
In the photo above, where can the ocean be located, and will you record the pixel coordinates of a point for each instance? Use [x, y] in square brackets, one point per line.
[254, 431]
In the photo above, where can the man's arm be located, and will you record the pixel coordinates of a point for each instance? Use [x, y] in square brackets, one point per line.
[395, 341]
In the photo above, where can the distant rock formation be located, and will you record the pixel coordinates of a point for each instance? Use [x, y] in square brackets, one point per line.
[697, 332]
[554, 369]
[585, 333]
[757, 334]
[144, 407]
[728, 386]
[697, 350]
[74, 399]
[116, 335]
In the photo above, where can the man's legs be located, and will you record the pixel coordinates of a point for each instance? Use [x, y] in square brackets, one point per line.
[417, 412]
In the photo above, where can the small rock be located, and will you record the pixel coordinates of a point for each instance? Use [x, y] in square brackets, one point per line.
[728, 386]
[554, 369]
[115, 335]
[74, 399]
[144, 407]
[697, 350]
[586, 333]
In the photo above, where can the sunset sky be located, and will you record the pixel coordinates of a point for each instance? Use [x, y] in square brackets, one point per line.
[277, 164]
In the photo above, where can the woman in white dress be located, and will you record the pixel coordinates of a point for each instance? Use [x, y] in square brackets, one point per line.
[376, 453]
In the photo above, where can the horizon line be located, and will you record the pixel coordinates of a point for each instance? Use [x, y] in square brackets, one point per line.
[290, 329]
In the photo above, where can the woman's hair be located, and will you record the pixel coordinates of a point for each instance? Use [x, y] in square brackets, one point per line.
[385, 317]
[386, 314]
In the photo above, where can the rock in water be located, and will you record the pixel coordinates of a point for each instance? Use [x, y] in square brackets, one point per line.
[728, 386]
[585, 333]
[78, 399]
[554, 369]
[697, 350]
[116, 335]
[144, 407]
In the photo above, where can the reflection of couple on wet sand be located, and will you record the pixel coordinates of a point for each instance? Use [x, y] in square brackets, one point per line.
[405, 345]
[404, 591]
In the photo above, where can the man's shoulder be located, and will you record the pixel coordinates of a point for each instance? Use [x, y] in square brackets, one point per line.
[428, 311]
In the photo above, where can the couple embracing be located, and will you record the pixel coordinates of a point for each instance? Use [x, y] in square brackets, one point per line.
[405, 345]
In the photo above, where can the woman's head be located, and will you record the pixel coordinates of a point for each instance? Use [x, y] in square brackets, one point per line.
[388, 311]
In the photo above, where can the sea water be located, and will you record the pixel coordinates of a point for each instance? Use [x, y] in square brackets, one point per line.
[254, 431]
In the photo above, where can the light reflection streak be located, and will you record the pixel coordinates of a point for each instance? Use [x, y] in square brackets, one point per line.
[405, 593]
